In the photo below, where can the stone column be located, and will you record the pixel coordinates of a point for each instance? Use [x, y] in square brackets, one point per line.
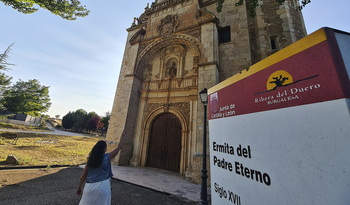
[208, 76]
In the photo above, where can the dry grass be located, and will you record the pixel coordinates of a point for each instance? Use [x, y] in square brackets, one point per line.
[67, 150]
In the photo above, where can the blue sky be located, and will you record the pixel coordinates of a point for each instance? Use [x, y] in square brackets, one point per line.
[80, 60]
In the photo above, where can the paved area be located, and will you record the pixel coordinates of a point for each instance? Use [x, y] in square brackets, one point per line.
[159, 180]
[58, 186]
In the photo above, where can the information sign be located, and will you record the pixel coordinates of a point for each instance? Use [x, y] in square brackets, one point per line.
[280, 132]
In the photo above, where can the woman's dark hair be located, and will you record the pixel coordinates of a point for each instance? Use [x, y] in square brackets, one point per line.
[96, 154]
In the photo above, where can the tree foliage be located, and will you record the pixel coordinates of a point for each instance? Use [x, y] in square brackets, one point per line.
[90, 115]
[5, 80]
[93, 123]
[27, 97]
[68, 121]
[253, 4]
[81, 120]
[66, 9]
[105, 120]
[4, 57]
[23, 97]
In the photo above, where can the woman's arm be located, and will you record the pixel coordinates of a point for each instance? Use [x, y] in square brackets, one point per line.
[114, 152]
[82, 179]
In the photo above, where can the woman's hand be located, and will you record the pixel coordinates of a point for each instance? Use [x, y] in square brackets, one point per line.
[114, 152]
[82, 179]
[79, 191]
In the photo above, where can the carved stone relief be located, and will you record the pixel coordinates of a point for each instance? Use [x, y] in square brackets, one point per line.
[143, 18]
[148, 72]
[195, 64]
[195, 61]
[168, 25]
[179, 81]
[183, 107]
[152, 48]
[142, 47]
[171, 67]
[195, 33]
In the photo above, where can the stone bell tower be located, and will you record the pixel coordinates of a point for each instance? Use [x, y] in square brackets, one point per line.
[175, 49]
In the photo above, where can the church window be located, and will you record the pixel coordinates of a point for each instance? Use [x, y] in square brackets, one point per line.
[224, 35]
[274, 43]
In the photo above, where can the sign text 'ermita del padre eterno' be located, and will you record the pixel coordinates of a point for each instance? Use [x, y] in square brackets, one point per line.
[280, 131]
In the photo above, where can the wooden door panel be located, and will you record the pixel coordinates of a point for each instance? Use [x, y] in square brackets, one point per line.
[164, 150]
[173, 144]
[156, 143]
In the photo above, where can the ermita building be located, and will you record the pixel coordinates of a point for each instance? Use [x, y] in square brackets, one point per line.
[175, 49]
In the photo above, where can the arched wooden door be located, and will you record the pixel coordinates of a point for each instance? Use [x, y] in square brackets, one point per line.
[164, 150]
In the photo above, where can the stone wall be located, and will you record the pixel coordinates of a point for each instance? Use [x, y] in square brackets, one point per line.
[196, 171]
[185, 12]
[123, 114]
[234, 56]
[280, 23]
[251, 37]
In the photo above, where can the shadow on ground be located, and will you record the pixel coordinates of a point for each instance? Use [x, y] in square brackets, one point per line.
[58, 186]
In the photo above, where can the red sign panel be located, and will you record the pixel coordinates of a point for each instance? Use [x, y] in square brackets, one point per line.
[309, 76]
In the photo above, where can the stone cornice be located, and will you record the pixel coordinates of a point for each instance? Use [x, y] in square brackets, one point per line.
[135, 27]
[162, 5]
[134, 38]
[188, 98]
[203, 3]
[208, 63]
[134, 75]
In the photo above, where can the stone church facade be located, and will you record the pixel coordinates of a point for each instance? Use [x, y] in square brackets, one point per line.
[175, 49]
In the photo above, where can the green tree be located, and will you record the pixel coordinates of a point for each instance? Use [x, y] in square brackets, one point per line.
[75, 120]
[252, 4]
[4, 57]
[66, 9]
[68, 121]
[90, 115]
[27, 97]
[80, 118]
[105, 120]
[5, 80]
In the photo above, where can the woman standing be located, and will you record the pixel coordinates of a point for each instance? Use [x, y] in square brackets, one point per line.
[97, 174]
